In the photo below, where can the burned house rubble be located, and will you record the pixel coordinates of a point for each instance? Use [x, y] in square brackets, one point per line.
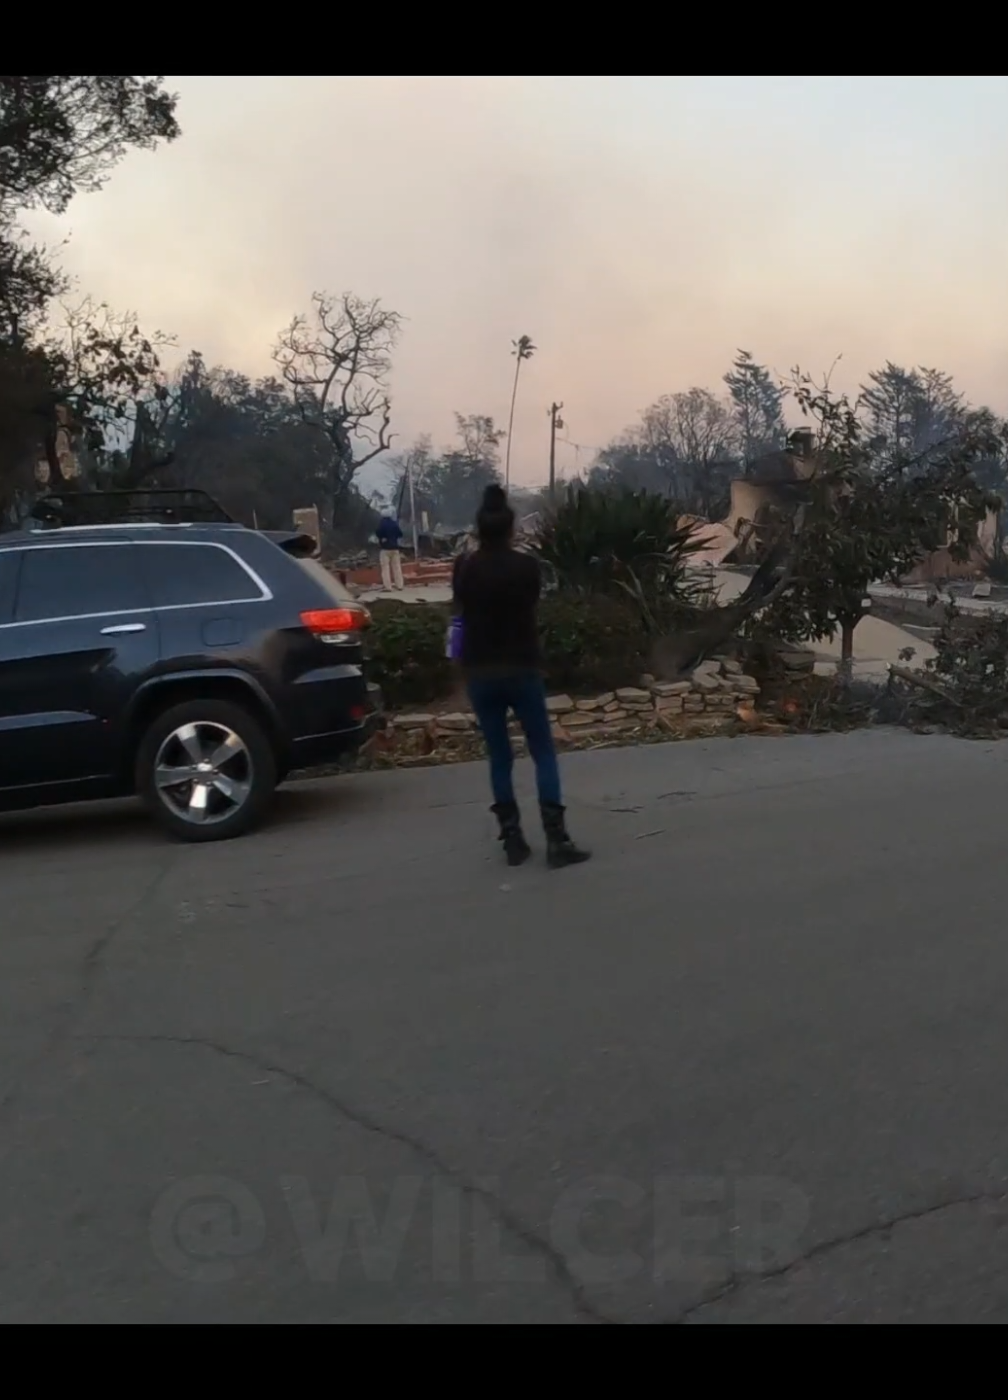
[773, 484]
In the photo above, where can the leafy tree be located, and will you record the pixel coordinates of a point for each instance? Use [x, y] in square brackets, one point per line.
[449, 485]
[59, 135]
[480, 438]
[991, 467]
[628, 465]
[455, 482]
[62, 135]
[757, 405]
[25, 418]
[106, 373]
[940, 410]
[685, 447]
[971, 664]
[28, 283]
[865, 520]
[889, 403]
[335, 363]
[455, 485]
[909, 413]
[244, 441]
[694, 437]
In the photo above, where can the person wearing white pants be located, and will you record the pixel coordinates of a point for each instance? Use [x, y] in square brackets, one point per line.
[391, 569]
[389, 534]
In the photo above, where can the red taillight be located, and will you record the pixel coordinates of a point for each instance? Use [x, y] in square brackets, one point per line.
[323, 622]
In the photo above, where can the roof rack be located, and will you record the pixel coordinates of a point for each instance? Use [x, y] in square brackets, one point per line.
[168, 507]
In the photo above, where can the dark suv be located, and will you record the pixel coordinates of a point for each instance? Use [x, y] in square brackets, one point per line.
[195, 663]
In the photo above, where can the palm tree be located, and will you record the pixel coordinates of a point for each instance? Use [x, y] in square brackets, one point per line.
[523, 349]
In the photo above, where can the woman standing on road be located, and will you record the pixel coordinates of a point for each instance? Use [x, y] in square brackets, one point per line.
[496, 591]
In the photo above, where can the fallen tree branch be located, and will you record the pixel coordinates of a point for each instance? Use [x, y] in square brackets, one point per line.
[713, 627]
[925, 683]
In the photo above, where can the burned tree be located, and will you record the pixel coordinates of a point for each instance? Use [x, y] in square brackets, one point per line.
[336, 362]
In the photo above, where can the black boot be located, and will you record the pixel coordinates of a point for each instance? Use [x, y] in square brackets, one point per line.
[516, 848]
[560, 849]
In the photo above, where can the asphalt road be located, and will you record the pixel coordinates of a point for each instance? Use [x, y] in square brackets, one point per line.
[747, 1065]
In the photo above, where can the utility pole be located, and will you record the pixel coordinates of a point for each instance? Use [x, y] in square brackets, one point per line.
[412, 506]
[555, 422]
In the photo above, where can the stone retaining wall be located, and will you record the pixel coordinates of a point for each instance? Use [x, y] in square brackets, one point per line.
[716, 689]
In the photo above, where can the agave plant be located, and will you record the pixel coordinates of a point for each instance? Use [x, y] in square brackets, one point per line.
[630, 542]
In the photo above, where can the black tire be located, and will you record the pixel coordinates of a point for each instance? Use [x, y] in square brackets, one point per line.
[251, 771]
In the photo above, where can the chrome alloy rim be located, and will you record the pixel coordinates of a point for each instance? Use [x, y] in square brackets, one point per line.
[203, 772]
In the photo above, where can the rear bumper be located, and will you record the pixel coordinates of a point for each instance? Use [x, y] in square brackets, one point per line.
[319, 749]
[315, 750]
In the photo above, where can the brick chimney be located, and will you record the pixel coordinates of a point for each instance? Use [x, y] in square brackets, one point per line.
[801, 442]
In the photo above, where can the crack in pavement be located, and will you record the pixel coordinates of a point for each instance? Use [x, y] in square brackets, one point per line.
[554, 1258]
[517, 1228]
[738, 1282]
[91, 963]
[89, 968]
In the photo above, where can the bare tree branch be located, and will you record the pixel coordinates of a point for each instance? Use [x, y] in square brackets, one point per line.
[336, 362]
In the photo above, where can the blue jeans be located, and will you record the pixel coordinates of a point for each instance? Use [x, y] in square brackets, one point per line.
[523, 692]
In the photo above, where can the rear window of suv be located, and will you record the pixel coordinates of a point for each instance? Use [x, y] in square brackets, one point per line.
[181, 575]
[321, 575]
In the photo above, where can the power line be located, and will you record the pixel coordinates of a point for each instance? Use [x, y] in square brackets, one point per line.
[579, 447]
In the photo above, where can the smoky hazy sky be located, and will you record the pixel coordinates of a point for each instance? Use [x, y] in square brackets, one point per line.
[639, 229]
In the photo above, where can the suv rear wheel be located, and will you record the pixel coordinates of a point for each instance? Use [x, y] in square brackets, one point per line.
[206, 770]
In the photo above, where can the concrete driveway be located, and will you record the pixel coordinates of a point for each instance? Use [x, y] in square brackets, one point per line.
[877, 643]
[747, 1065]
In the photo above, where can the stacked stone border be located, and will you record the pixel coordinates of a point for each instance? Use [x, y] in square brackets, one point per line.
[717, 692]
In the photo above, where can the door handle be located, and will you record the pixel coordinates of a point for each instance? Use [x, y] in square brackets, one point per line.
[124, 627]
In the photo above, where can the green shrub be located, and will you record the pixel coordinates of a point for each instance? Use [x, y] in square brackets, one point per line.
[405, 652]
[628, 544]
[588, 644]
[971, 661]
[591, 643]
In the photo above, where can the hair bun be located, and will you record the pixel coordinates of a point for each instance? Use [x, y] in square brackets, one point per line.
[494, 497]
